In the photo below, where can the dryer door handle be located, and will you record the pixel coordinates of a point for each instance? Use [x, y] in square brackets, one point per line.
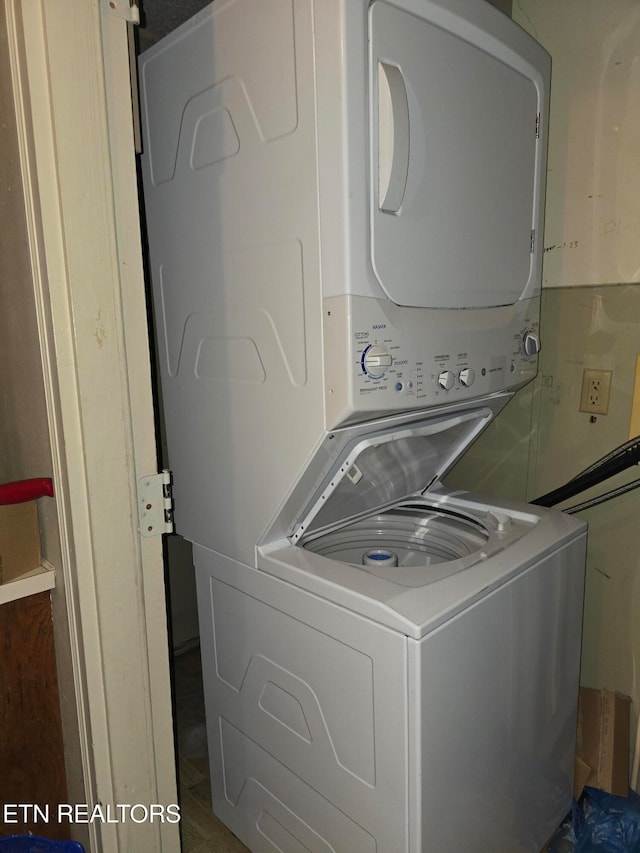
[393, 137]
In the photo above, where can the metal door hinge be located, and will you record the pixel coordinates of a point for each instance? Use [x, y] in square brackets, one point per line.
[155, 504]
[125, 9]
[537, 125]
[532, 245]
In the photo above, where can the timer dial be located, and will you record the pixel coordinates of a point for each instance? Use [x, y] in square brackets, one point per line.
[375, 361]
[530, 342]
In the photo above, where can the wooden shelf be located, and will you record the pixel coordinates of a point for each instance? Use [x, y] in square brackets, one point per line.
[31, 745]
[39, 580]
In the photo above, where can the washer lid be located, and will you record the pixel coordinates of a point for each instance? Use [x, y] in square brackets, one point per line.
[379, 469]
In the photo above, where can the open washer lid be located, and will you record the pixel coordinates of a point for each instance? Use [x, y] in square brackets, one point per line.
[377, 470]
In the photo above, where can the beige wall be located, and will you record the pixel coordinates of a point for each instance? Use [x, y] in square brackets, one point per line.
[592, 231]
[589, 319]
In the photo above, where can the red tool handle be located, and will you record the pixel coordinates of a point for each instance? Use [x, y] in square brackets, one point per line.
[25, 490]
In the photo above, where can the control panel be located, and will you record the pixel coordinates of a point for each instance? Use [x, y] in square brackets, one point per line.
[403, 358]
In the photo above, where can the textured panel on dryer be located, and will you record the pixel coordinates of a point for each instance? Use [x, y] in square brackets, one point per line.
[214, 138]
[267, 32]
[201, 335]
[230, 176]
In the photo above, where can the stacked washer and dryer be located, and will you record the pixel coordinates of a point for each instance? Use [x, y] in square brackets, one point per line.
[344, 202]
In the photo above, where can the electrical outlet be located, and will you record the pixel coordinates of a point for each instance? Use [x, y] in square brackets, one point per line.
[596, 389]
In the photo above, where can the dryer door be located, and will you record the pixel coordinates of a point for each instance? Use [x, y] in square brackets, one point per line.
[457, 158]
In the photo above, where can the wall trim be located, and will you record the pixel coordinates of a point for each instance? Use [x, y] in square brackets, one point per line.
[79, 184]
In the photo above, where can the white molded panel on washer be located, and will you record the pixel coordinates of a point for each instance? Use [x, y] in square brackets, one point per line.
[306, 715]
[455, 163]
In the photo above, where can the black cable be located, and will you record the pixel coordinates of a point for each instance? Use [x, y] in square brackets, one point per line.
[631, 443]
[618, 460]
[600, 499]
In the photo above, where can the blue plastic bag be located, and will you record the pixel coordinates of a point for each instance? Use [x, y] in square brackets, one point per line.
[600, 823]
[604, 823]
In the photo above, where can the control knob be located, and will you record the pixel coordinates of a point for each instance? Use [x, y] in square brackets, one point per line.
[530, 343]
[466, 377]
[375, 360]
[446, 380]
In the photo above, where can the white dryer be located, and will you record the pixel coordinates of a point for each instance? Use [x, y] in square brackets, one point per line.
[344, 203]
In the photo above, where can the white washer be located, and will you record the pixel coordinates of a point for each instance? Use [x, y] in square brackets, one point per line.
[344, 204]
[423, 706]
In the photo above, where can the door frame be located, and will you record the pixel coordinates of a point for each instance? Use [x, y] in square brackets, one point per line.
[70, 74]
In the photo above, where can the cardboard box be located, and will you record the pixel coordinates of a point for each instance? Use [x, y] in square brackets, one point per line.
[19, 540]
[602, 754]
[581, 774]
